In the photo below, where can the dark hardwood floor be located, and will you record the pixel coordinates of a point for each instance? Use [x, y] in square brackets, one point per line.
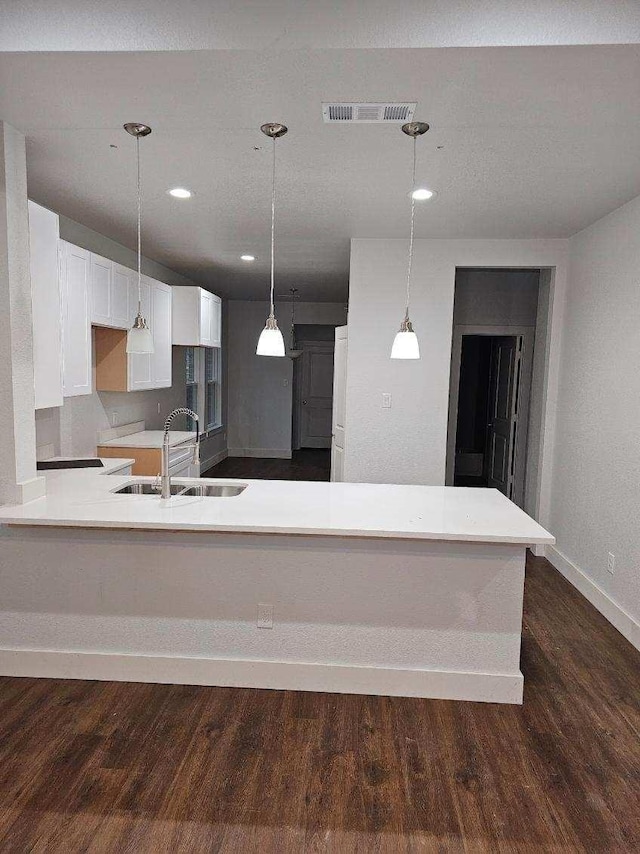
[307, 464]
[115, 767]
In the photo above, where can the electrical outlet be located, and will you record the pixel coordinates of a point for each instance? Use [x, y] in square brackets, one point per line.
[265, 616]
[611, 563]
[386, 400]
[114, 418]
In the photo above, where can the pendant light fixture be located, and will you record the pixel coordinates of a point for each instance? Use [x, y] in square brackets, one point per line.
[271, 342]
[405, 345]
[139, 337]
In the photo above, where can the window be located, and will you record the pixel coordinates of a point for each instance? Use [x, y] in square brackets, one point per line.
[203, 368]
[212, 387]
[192, 384]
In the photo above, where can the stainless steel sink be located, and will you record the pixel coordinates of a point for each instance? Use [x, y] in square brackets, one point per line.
[200, 490]
[148, 489]
[216, 490]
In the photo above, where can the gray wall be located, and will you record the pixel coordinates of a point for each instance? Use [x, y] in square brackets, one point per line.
[496, 297]
[596, 477]
[72, 430]
[92, 241]
[260, 388]
[407, 443]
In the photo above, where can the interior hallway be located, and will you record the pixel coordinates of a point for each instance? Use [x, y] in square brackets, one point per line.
[111, 767]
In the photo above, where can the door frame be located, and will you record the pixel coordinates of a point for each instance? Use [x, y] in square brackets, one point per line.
[298, 380]
[528, 334]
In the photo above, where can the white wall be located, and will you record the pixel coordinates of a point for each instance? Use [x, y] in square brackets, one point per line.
[407, 443]
[260, 388]
[596, 480]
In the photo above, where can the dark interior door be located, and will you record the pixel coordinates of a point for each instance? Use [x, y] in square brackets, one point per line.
[503, 401]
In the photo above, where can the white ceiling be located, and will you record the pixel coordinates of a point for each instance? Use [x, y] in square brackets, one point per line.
[312, 24]
[525, 142]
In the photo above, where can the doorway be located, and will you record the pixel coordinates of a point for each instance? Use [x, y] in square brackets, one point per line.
[313, 387]
[489, 408]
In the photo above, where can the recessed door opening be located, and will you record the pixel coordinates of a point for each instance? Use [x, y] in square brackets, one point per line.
[499, 315]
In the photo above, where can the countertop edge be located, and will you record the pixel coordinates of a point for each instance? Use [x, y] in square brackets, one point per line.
[271, 530]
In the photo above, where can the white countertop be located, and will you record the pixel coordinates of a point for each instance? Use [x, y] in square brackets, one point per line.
[83, 498]
[148, 439]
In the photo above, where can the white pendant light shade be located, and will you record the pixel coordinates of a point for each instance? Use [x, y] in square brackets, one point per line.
[270, 342]
[139, 337]
[405, 346]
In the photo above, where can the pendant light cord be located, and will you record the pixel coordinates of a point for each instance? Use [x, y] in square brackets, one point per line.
[273, 221]
[413, 210]
[139, 225]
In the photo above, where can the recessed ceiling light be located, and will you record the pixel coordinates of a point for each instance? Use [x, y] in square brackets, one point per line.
[247, 257]
[180, 193]
[421, 194]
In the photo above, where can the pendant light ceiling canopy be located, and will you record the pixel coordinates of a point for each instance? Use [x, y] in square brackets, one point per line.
[139, 337]
[405, 345]
[271, 342]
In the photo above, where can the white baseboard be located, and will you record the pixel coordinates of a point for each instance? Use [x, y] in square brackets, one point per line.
[282, 675]
[205, 465]
[608, 607]
[263, 453]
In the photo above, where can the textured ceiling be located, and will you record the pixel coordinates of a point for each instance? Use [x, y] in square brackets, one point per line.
[525, 142]
[312, 24]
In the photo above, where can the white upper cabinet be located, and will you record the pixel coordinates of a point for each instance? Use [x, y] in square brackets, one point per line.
[109, 293]
[122, 278]
[75, 271]
[197, 317]
[152, 370]
[161, 310]
[46, 309]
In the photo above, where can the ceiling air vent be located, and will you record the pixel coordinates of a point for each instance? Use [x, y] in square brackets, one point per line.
[368, 113]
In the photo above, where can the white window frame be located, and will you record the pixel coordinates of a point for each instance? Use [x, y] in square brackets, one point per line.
[204, 387]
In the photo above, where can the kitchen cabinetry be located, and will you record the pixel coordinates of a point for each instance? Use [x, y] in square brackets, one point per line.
[145, 448]
[110, 284]
[75, 267]
[45, 307]
[116, 370]
[197, 317]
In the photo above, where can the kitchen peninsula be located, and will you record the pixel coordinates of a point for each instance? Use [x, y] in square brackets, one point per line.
[356, 588]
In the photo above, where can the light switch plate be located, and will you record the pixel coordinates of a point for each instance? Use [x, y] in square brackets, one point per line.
[386, 400]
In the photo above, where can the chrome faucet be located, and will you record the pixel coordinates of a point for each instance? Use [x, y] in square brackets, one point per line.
[165, 477]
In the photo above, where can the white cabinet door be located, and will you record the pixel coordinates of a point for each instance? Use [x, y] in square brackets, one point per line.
[206, 319]
[101, 290]
[216, 321]
[152, 370]
[46, 307]
[120, 283]
[140, 365]
[76, 321]
[161, 331]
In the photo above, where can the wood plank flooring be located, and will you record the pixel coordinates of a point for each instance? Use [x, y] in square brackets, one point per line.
[113, 767]
[306, 464]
